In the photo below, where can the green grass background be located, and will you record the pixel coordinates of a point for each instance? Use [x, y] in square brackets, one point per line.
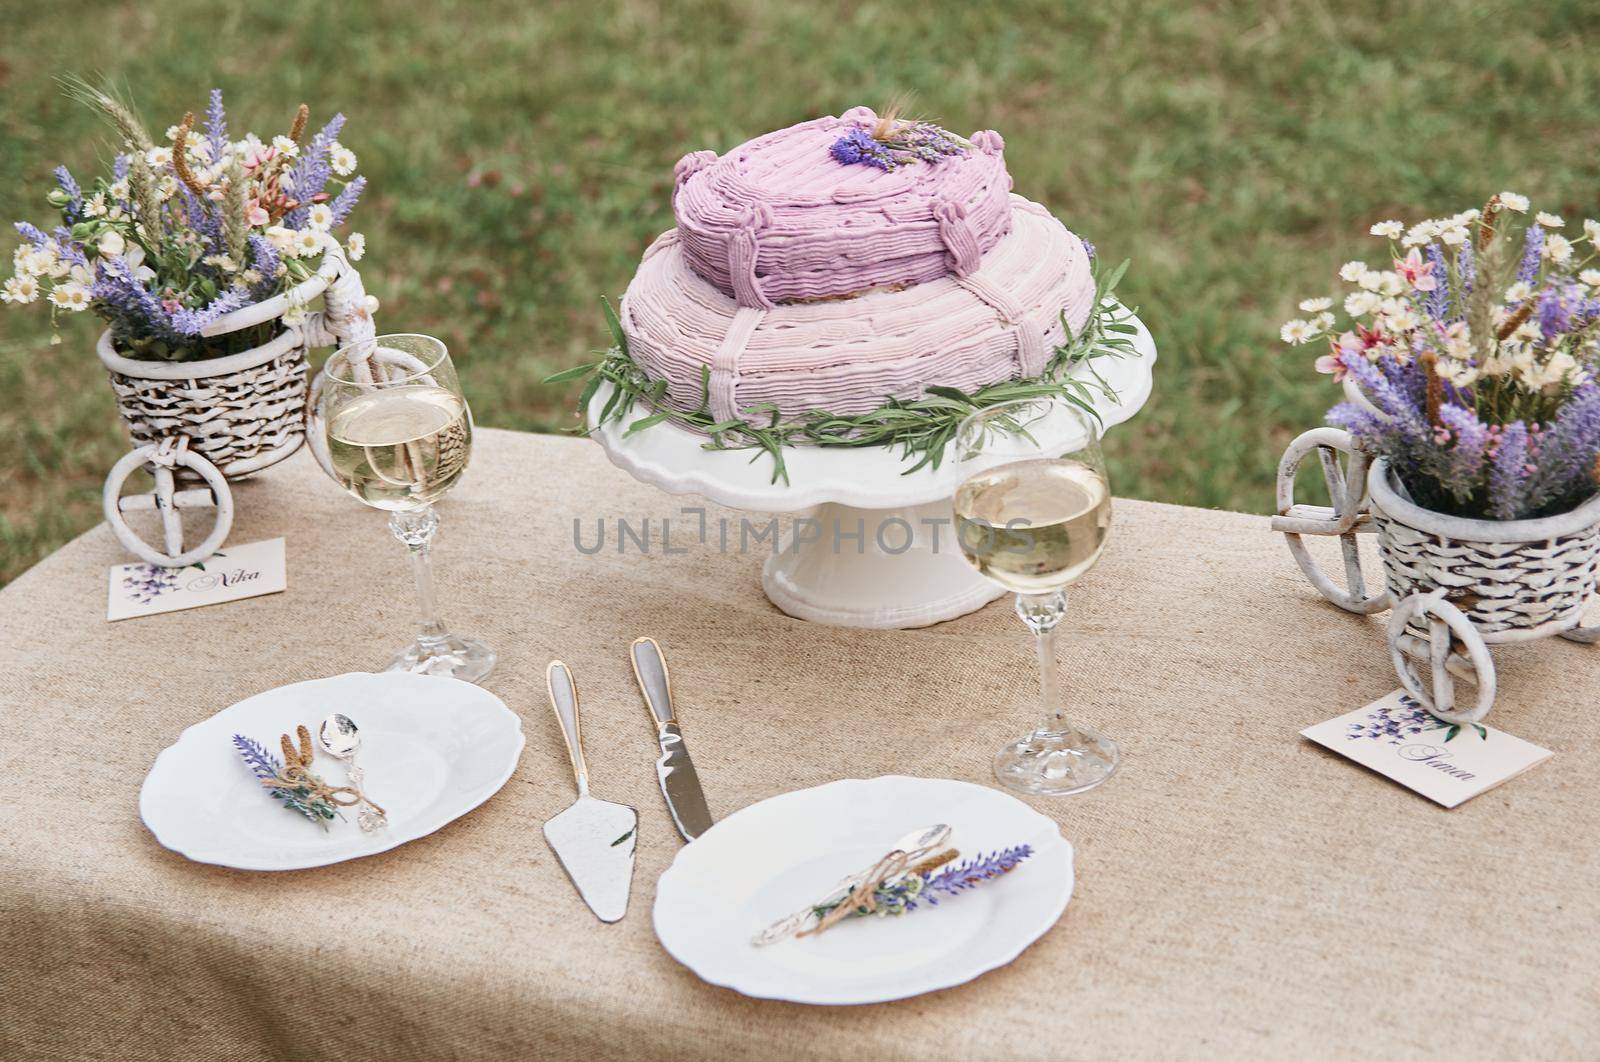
[520, 157]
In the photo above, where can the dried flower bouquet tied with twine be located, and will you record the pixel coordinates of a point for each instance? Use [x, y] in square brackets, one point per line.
[292, 780]
[901, 881]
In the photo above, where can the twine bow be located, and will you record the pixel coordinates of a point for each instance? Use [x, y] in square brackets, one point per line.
[295, 774]
[863, 899]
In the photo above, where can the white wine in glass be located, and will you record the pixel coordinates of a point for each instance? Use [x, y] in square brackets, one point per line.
[1033, 515]
[400, 448]
[398, 434]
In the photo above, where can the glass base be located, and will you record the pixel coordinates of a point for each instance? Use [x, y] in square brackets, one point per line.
[1042, 764]
[466, 659]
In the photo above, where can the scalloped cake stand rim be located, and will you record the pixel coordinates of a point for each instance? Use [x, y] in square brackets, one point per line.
[871, 477]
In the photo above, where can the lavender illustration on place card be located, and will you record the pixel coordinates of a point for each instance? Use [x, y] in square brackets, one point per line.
[231, 575]
[1448, 764]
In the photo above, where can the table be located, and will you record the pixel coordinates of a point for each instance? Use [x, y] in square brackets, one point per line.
[1240, 891]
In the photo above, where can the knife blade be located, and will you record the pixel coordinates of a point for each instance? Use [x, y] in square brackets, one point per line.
[680, 784]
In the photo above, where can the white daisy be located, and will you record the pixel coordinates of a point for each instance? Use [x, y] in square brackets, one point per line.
[1513, 201]
[1351, 272]
[1390, 283]
[286, 147]
[1590, 277]
[1389, 230]
[1519, 291]
[95, 206]
[307, 243]
[1360, 303]
[320, 217]
[1323, 321]
[355, 245]
[158, 157]
[19, 289]
[1591, 229]
[1371, 280]
[1297, 332]
[72, 297]
[342, 159]
[1315, 305]
[1549, 220]
[1558, 249]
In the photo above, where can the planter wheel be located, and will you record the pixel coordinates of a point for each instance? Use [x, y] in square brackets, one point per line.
[1346, 518]
[1453, 649]
[162, 458]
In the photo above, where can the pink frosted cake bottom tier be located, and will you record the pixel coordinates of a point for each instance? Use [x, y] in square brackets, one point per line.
[1002, 321]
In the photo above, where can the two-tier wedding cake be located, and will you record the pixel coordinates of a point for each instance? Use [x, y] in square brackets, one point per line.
[843, 262]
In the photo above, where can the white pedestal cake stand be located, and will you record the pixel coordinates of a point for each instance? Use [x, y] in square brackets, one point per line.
[903, 569]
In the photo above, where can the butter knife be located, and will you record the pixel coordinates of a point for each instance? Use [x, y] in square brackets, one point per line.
[680, 785]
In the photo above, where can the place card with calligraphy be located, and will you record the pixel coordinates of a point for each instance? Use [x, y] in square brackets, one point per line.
[1447, 764]
[231, 574]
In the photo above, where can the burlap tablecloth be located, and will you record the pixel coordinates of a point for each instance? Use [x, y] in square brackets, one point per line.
[1240, 891]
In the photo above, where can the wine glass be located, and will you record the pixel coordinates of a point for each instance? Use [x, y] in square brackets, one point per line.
[1033, 515]
[398, 434]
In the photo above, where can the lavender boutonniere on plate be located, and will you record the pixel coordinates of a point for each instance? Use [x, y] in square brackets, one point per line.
[926, 884]
[269, 770]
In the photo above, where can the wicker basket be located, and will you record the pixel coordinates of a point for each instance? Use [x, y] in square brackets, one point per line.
[1514, 580]
[242, 412]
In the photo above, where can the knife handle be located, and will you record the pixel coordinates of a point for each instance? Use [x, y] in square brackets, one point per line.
[650, 668]
[564, 699]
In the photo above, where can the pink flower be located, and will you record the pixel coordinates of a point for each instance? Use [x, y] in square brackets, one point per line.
[255, 214]
[258, 156]
[1332, 366]
[1418, 274]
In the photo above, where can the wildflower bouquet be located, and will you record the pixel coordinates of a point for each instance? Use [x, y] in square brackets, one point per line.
[186, 231]
[1474, 360]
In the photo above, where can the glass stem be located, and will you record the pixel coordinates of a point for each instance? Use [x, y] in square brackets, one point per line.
[1042, 612]
[416, 528]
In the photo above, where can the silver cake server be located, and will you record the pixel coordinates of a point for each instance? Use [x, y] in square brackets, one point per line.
[679, 782]
[923, 839]
[594, 839]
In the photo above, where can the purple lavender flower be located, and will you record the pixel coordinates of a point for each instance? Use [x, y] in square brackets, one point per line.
[1564, 463]
[1466, 268]
[312, 173]
[963, 876]
[134, 311]
[119, 168]
[1532, 254]
[1467, 447]
[264, 259]
[1508, 474]
[74, 194]
[1088, 248]
[857, 148]
[190, 322]
[1437, 301]
[1555, 307]
[32, 234]
[265, 765]
[345, 201]
[216, 124]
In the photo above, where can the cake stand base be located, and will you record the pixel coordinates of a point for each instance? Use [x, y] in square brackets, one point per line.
[870, 546]
[886, 569]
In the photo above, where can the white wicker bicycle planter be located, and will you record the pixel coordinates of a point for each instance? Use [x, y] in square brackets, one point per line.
[1456, 585]
[209, 422]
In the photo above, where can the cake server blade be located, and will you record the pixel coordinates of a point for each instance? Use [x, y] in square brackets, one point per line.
[594, 839]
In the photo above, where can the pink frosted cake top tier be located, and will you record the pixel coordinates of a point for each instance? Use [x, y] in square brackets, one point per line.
[778, 219]
[1001, 321]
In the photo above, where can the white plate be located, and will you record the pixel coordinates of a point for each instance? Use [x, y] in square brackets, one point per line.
[432, 749]
[771, 858]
